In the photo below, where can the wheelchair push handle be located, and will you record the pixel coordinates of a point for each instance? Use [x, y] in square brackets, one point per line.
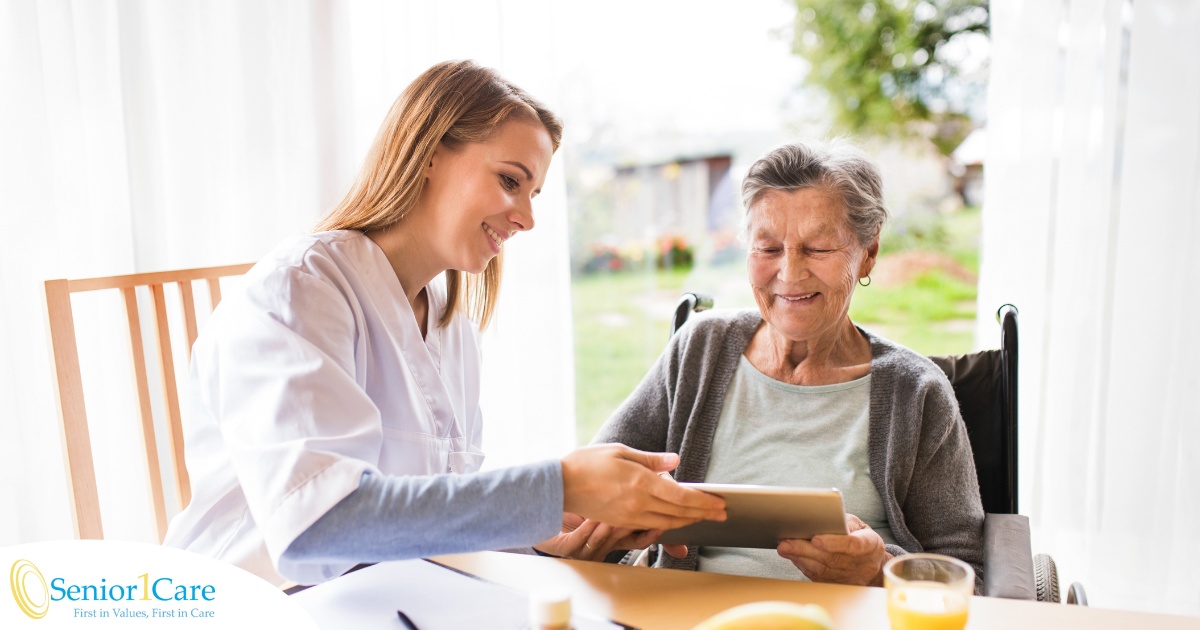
[689, 303]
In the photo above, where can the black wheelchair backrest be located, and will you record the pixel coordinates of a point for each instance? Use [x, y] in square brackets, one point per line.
[985, 384]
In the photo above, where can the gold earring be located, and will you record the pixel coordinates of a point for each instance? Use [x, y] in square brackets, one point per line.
[865, 284]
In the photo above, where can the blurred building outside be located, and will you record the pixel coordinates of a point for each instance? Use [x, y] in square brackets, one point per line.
[694, 195]
[966, 166]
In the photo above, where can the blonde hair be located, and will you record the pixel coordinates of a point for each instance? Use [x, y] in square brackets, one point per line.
[454, 103]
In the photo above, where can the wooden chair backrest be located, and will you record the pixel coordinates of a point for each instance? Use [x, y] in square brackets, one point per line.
[68, 383]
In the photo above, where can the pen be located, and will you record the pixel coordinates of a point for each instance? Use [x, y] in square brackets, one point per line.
[408, 623]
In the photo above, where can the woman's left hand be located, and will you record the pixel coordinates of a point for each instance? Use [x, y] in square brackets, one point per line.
[857, 558]
[586, 539]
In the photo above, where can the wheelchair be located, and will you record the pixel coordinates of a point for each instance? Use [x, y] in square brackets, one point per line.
[985, 384]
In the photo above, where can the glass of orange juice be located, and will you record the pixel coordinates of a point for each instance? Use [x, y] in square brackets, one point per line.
[926, 591]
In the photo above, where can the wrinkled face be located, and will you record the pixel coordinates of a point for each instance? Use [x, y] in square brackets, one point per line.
[480, 195]
[804, 261]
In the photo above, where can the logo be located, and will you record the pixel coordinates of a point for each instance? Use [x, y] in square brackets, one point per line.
[163, 590]
[65, 582]
[22, 573]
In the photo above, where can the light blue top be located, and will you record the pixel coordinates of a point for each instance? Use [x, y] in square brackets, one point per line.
[773, 433]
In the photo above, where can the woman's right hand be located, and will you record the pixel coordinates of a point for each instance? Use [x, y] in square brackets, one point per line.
[618, 485]
[856, 558]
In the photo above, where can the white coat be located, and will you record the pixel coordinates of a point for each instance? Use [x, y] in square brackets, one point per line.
[313, 373]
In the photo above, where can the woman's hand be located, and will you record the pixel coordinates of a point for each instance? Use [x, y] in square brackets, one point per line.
[620, 486]
[586, 539]
[854, 559]
[677, 551]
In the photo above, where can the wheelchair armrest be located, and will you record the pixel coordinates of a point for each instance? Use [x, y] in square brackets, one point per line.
[1007, 557]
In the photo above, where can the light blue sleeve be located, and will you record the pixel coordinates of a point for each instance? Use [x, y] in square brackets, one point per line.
[392, 517]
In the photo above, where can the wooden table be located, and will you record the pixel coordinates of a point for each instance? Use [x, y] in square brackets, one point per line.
[654, 599]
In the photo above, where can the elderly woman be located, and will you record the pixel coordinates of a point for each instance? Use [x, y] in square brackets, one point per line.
[795, 394]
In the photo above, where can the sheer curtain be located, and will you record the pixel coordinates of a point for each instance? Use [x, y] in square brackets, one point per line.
[140, 136]
[1090, 226]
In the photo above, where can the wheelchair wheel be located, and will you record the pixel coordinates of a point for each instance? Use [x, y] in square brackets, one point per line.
[1045, 577]
[1076, 595]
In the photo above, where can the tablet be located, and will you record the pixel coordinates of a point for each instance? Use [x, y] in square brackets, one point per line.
[761, 516]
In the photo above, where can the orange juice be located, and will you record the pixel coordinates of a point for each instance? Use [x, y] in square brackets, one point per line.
[922, 605]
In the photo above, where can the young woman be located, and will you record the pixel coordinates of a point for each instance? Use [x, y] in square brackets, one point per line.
[335, 399]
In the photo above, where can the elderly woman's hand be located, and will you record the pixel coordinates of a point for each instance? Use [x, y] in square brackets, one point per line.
[587, 539]
[854, 559]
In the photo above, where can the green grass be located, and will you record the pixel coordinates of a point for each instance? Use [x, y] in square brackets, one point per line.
[933, 296]
[619, 332]
[962, 237]
[933, 314]
[622, 321]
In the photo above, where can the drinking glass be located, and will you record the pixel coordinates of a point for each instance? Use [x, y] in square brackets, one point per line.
[926, 591]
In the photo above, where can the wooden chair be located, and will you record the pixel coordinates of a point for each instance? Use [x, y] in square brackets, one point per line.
[68, 382]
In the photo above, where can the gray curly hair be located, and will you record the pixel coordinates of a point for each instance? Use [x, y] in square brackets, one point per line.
[837, 167]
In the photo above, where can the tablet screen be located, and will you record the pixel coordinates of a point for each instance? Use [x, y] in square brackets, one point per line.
[761, 516]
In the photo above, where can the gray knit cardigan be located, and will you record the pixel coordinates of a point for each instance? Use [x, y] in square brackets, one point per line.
[920, 457]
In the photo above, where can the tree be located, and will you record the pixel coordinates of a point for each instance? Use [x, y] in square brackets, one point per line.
[896, 67]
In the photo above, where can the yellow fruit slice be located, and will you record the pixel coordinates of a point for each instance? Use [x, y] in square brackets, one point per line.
[770, 616]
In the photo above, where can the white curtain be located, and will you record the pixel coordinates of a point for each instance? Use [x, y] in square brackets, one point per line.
[143, 135]
[1091, 217]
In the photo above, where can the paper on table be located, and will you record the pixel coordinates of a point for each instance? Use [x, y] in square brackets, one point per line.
[433, 596]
